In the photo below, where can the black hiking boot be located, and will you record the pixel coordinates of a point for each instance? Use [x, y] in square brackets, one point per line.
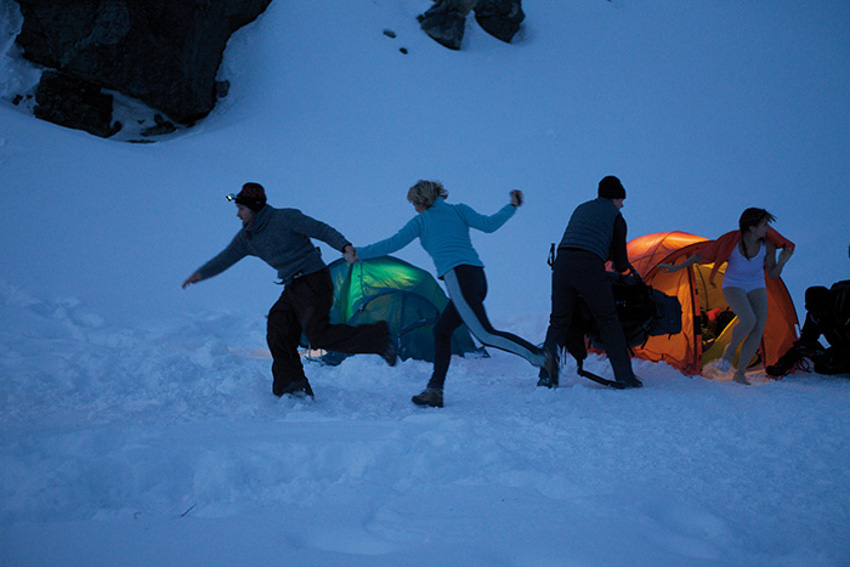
[549, 373]
[296, 389]
[543, 380]
[390, 354]
[430, 397]
[786, 363]
[632, 382]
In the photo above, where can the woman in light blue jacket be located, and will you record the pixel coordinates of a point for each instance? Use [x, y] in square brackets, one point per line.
[443, 231]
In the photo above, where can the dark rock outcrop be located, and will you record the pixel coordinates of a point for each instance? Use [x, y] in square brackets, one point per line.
[500, 18]
[445, 21]
[165, 53]
[75, 104]
[162, 126]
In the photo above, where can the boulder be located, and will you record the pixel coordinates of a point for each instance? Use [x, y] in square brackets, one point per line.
[445, 21]
[161, 127]
[75, 104]
[165, 53]
[500, 18]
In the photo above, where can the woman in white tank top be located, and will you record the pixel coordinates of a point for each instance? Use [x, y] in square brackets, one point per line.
[743, 272]
[744, 287]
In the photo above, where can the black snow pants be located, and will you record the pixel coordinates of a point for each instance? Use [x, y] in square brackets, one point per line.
[305, 305]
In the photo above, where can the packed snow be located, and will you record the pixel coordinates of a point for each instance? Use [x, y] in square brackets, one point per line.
[137, 423]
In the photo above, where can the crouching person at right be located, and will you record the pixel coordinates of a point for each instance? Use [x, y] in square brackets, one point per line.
[827, 315]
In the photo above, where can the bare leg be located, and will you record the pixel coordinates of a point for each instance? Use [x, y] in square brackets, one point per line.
[758, 301]
[751, 310]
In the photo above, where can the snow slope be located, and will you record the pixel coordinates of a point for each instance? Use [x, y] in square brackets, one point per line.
[137, 425]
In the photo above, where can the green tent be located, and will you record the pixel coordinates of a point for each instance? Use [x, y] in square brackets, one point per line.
[408, 298]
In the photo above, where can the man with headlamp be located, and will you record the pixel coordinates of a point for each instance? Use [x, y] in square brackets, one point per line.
[281, 238]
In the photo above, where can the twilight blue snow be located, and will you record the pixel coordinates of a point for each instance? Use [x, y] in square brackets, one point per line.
[137, 423]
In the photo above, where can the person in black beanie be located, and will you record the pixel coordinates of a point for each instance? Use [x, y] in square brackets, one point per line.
[281, 237]
[595, 234]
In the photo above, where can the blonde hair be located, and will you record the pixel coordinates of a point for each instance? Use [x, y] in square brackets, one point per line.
[426, 192]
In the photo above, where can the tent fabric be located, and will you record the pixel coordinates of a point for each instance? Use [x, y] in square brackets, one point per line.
[689, 350]
[392, 290]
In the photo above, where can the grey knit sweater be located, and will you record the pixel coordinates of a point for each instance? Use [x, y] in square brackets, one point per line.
[280, 237]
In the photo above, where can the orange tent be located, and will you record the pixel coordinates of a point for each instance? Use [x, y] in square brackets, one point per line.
[704, 311]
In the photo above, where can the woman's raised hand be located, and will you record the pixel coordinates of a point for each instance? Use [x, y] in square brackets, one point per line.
[516, 198]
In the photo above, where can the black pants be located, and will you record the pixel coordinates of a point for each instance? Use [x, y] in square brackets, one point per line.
[579, 274]
[467, 288]
[305, 305]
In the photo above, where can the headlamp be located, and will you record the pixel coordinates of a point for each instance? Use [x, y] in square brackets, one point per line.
[230, 196]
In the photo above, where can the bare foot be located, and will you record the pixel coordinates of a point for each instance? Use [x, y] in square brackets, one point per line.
[741, 379]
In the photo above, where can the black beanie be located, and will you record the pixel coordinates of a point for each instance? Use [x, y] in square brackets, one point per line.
[611, 188]
[252, 196]
[818, 298]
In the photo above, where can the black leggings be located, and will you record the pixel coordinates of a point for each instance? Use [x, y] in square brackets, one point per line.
[467, 287]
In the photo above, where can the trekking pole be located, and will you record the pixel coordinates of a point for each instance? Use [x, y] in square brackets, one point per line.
[363, 304]
[598, 379]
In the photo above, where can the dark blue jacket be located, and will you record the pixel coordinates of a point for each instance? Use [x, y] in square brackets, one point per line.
[598, 227]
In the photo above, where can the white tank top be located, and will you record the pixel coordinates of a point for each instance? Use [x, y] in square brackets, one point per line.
[747, 274]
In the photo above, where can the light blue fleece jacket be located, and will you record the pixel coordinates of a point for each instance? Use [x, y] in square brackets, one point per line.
[443, 231]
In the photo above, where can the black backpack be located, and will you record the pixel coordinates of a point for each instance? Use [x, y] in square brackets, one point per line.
[643, 311]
